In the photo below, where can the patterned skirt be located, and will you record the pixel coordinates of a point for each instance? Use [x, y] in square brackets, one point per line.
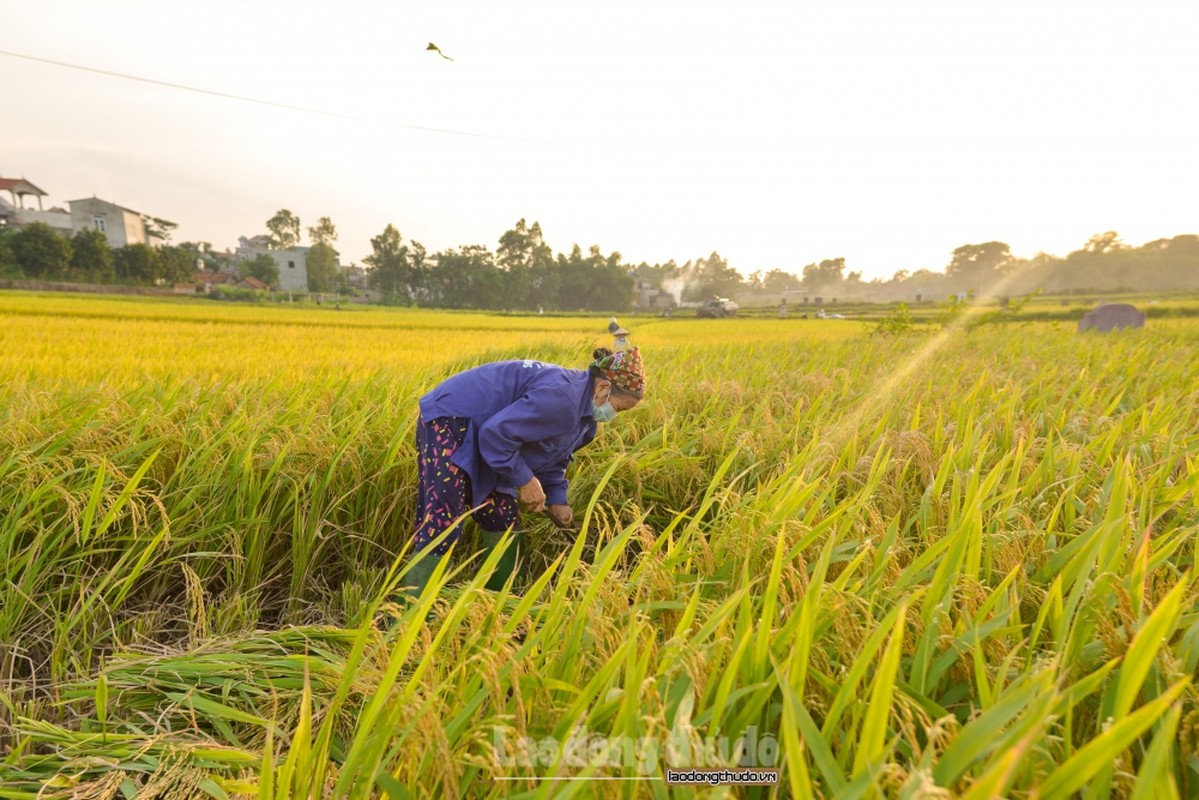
[443, 495]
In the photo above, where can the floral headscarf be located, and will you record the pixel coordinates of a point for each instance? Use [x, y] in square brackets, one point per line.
[624, 369]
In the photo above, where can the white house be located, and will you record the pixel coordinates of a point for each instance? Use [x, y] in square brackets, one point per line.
[293, 263]
[18, 189]
[355, 276]
[56, 218]
[120, 225]
[13, 212]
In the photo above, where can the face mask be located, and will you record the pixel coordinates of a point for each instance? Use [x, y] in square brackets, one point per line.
[604, 413]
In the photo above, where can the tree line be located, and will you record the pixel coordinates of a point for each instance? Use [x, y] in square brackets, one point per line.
[37, 252]
[1103, 264]
[522, 273]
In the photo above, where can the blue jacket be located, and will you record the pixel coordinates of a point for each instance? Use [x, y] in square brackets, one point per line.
[526, 418]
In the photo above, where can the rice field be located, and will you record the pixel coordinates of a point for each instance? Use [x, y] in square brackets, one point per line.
[952, 563]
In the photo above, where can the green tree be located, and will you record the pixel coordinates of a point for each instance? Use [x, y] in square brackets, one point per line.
[261, 267]
[1180, 263]
[926, 283]
[777, 281]
[390, 269]
[613, 284]
[1106, 263]
[176, 264]
[137, 263]
[713, 276]
[1042, 271]
[1185, 246]
[8, 261]
[827, 274]
[898, 321]
[420, 268]
[159, 227]
[544, 279]
[40, 252]
[324, 232]
[285, 229]
[202, 251]
[467, 277]
[323, 274]
[91, 257]
[525, 257]
[976, 266]
[574, 271]
[594, 282]
[1107, 242]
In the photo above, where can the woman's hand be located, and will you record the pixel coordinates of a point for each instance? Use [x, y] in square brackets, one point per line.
[532, 495]
[562, 515]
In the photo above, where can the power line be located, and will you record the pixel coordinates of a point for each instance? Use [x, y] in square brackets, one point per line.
[259, 101]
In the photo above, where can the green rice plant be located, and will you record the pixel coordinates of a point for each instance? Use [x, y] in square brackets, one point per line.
[942, 565]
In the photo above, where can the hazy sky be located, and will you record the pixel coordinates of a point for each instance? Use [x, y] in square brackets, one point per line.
[776, 133]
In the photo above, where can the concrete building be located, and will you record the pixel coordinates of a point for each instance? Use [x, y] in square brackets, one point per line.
[14, 213]
[121, 226]
[18, 189]
[355, 276]
[652, 298]
[15, 217]
[293, 263]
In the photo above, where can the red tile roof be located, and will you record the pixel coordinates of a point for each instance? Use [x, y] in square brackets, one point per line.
[17, 184]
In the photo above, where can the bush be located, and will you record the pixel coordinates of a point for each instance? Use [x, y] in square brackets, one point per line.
[91, 258]
[953, 309]
[238, 294]
[8, 261]
[40, 252]
[897, 322]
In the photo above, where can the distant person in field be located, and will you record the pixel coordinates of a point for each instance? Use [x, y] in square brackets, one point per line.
[501, 435]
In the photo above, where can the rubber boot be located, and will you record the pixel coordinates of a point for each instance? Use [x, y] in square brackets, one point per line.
[508, 561]
[409, 591]
[417, 578]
